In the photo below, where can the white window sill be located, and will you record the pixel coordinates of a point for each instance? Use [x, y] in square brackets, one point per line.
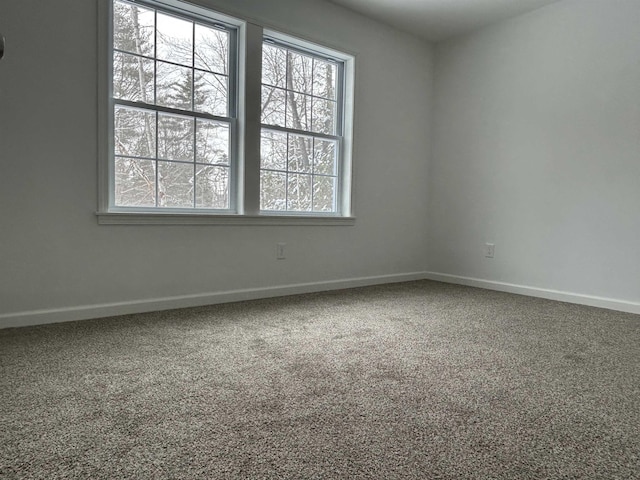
[117, 218]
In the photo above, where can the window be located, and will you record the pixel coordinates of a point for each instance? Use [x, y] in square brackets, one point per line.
[183, 134]
[172, 106]
[300, 124]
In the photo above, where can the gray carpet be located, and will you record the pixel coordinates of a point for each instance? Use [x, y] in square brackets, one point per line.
[416, 380]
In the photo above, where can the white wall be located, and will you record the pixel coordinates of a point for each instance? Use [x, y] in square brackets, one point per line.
[53, 254]
[537, 149]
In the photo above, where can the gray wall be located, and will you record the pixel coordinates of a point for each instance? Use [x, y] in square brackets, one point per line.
[537, 149]
[54, 255]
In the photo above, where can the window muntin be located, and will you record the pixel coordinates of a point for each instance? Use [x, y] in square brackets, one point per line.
[301, 136]
[172, 106]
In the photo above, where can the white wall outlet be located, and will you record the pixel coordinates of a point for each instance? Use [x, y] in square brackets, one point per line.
[489, 250]
[281, 253]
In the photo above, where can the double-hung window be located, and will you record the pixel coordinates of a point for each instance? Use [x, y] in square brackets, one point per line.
[173, 100]
[186, 136]
[301, 130]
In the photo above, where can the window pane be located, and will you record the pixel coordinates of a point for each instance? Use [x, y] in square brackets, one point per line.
[175, 137]
[273, 190]
[175, 40]
[274, 66]
[324, 194]
[212, 142]
[324, 79]
[298, 111]
[324, 116]
[212, 187]
[212, 49]
[300, 73]
[273, 106]
[134, 132]
[133, 29]
[135, 182]
[174, 86]
[299, 192]
[273, 150]
[300, 153]
[211, 93]
[324, 157]
[175, 184]
[132, 78]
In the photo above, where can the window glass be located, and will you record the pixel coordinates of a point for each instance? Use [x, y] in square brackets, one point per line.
[300, 140]
[171, 129]
[173, 124]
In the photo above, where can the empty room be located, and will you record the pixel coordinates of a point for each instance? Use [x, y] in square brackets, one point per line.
[320, 239]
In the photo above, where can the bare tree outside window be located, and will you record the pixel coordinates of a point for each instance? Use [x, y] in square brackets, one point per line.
[300, 141]
[182, 142]
[171, 110]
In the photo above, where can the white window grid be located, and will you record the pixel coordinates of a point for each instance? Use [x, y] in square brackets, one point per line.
[336, 137]
[229, 119]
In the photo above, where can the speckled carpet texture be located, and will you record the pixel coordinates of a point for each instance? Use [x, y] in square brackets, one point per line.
[419, 380]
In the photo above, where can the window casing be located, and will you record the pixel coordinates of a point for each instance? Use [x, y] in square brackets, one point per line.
[188, 136]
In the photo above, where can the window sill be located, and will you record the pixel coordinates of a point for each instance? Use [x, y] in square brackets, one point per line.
[117, 218]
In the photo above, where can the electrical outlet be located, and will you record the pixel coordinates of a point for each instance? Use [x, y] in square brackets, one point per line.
[281, 253]
[489, 250]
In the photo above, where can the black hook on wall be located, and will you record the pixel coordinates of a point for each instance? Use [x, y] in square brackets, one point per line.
[1, 45]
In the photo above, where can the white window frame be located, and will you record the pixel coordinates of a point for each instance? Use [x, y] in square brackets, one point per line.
[245, 162]
[280, 40]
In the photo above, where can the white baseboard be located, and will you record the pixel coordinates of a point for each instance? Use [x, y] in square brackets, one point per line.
[592, 301]
[85, 312]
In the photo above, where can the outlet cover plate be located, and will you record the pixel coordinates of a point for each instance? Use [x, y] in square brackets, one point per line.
[489, 250]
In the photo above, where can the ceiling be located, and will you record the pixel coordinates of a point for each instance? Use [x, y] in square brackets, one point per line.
[437, 20]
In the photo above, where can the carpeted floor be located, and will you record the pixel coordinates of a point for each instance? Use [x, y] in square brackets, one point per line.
[416, 380]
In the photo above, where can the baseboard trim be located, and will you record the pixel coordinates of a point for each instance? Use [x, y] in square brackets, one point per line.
[86, 312]
[590, 300]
